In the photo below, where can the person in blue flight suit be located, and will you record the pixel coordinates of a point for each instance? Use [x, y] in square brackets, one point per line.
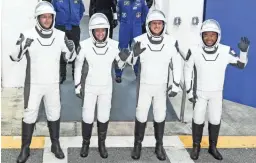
[68, 16]
[149, 4]
[131, 15]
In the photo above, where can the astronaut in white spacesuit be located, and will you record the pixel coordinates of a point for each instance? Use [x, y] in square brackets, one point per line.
[42, 45]
[209, 61]
[155, 51]
[93, 79]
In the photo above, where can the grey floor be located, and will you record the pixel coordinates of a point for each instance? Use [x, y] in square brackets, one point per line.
[116, 155]
[10, 155]
[122, 155]
[229, 156]
[123, 100]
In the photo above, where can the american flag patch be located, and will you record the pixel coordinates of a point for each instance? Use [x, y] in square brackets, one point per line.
[232, 52]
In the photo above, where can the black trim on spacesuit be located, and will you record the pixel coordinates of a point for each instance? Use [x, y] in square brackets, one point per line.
[190, 87]
[169, 68]
[19, 56]
[239, 65]
[154, 42]
[27, 81]
[156, 50]
[21, 39]
[63, 54]
[138, 82]
[46, 45]
[188, 56]
[85, 70]
[43, 35]
[195, 81]
[99, 53]
[211, 52]
[176, 83]
[211, 60]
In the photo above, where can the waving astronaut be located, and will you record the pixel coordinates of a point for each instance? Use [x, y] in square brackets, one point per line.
[93, 79]
[155, 50]
[42, 45]
[209, 61]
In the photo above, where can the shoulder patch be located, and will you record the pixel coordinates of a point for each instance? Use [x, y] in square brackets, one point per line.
[232, 52]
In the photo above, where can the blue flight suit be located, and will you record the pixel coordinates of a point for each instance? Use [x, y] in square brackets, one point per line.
[68, 12]
[131, 15]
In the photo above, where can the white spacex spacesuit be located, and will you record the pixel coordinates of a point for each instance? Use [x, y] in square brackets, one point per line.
[155, 56]
[160, 52]
[93, 79]
[209, 65]
[43, 49]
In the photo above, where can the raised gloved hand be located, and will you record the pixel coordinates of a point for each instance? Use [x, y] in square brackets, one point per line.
[28, 43]
[171, 92]
[70, 44]
[78, 91]
[124, 54]
[137, 49]
[191, 97]
[114, 23]
[244, 44]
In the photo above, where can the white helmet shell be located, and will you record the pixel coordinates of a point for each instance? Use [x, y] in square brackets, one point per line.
[210, 25]
[44, 7]
[155, 15]
[99, 20]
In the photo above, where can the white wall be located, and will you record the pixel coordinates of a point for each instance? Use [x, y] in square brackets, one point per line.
[186, 33]
[86, 5]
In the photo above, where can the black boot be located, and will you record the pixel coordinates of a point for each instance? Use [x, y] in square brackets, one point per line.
[159, 133]
[62, 79]
[102, 134]
[139, 132]
[87, 133]
[213, 139]
[118, 79]
[27, 132]
[197, 132]
[54, 129]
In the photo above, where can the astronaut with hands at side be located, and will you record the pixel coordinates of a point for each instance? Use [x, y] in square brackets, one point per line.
[93, 79]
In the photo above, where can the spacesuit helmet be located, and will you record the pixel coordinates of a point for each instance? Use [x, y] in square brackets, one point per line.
[44, 7]
[210, 25]
[152, 16]
[99, 21]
